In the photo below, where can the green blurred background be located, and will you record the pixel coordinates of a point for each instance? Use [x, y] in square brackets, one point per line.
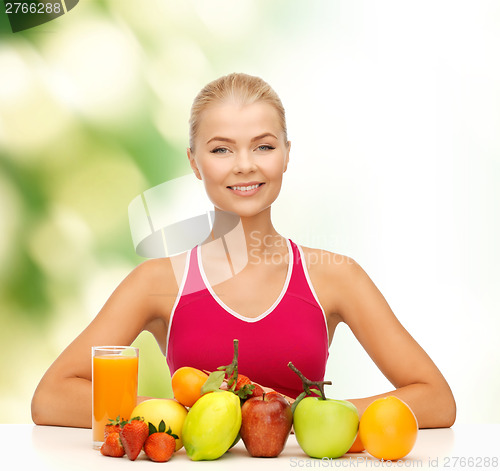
[93, 111]
[393, 112]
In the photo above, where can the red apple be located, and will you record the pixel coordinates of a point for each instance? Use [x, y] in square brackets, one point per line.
[266, 422]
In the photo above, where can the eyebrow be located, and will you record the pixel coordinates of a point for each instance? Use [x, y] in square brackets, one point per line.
[231, 141]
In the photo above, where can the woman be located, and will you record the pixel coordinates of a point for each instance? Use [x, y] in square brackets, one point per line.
[246, 281]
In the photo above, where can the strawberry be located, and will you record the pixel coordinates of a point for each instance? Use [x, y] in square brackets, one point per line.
[160, 447]
[133, 435]
[112, 445]
[241, 381]
[257, 391]
[113, 426]
[242, 387]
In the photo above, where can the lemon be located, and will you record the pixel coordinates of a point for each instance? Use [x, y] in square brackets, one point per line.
[168, 410]
[212, 425]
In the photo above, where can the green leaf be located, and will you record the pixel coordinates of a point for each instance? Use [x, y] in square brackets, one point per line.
[152, 428]
[114, 421]
[162, 427]
[316, 391]
[169, 432]
[245, 391]
[232, 379]
[213, 382]
[231, 370]
[301, 396]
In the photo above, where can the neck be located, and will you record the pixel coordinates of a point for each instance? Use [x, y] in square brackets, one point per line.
[253, 234]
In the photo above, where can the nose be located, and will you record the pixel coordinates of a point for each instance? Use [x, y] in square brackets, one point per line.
[244, 163]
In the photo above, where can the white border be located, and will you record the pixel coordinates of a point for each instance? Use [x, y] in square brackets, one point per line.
[234, 313]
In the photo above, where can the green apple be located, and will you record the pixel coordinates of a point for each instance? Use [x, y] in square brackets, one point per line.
[325, 428]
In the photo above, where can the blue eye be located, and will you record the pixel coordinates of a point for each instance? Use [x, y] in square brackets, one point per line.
[266, 147]
[219, 150]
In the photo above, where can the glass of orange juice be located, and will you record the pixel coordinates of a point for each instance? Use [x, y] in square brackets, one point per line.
[114, 386]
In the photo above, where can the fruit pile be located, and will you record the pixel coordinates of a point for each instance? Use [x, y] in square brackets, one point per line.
[329, 428]
[226, 406]
[130, 437]
[213, 410]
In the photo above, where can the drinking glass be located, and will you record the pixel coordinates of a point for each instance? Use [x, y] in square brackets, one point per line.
[114, 386]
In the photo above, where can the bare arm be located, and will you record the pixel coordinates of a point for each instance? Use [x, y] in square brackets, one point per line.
[64, 395]
[356, 301]
[405, 364]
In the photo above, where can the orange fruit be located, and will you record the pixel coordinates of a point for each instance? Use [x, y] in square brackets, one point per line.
[388, 428]
[187, 383]
[357, 446]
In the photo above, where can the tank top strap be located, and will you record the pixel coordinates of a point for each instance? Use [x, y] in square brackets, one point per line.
[193, 282]
[300, 283]
[200, 322]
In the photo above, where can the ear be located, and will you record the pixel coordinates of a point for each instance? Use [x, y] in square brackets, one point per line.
[287, 155]
[192, 162]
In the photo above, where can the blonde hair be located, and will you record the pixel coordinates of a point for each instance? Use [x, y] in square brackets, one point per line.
[240, 88]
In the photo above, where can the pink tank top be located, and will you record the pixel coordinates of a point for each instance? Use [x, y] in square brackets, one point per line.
[202, 329]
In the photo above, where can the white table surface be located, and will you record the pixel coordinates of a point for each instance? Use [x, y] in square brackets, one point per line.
[34, 447]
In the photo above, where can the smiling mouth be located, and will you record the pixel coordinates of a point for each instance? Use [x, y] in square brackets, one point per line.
[246, 188]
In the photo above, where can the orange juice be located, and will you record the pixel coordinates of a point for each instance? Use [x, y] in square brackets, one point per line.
[114, 383]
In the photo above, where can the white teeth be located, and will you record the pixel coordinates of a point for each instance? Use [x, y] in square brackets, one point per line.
[245, 188]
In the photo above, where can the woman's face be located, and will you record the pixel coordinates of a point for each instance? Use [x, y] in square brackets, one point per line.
[240, 155]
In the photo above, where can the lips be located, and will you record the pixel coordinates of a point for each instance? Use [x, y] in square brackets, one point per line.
[246, 189]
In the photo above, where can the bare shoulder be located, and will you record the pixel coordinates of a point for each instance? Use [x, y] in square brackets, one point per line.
[161, 276]
[159, 281]
[330, 273]
[323, 263]
[343, 283]
[161, 270]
